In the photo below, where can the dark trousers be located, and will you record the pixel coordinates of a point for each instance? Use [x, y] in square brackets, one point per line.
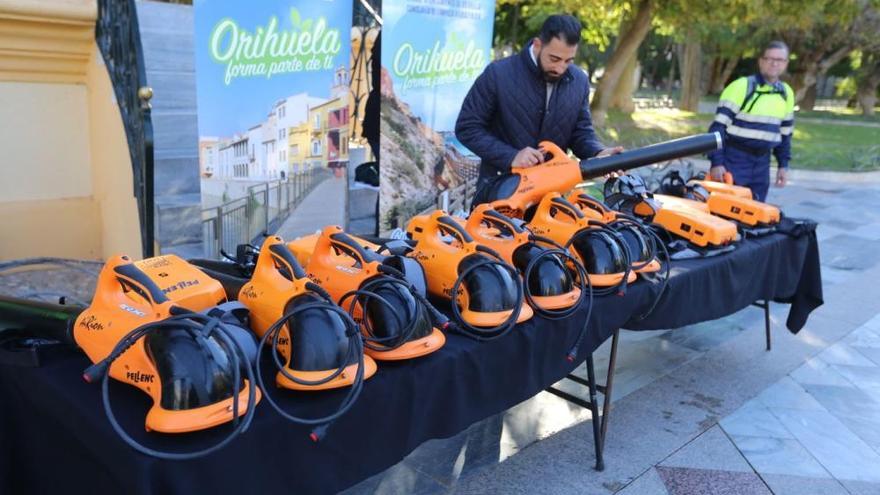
[749, 170]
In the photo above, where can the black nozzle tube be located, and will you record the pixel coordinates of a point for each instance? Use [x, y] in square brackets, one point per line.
[39, 319]
[639, 157]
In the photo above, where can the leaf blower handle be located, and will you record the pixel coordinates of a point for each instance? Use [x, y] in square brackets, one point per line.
[552, 152]
[447, 224]
[639, 157]
[132, 276]
[351, 247]
[281, 252]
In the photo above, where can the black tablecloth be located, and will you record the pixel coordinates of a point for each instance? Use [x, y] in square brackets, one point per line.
[54, 436]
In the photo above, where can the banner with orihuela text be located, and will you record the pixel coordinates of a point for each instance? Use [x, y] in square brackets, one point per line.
[432, 51]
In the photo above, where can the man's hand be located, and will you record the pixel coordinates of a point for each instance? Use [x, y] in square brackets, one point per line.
[716, 173]
[610, 151]
[781, 177]
[527, 157]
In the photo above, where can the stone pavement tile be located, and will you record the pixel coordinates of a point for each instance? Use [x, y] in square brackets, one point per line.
[872, 353]
[754, 420]
[782, 484]
[874, 323]
[849, 302]
[399, 478]
[639, 363]
[864, 336]
[818, 372]
[685, 481]
[788, 394]
[655, 419]
[704, 336]
[842, 354]
[711, 450]
[779, 456]
[839, 450]
[496, 438]
[862, 376]
[866, 428]
[444, 460]
[825, 232]
[861, 487]
[832, 276]
[849, 252]
[649, 483]
[869, 231]
[535, 419]
[845, 401]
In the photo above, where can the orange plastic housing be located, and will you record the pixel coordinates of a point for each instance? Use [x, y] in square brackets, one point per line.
[441, 245]
[341, 263]
[127, 298]
[267, 294]
[499, 232]
[560, 220]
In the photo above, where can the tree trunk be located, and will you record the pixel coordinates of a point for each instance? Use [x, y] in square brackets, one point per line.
[622, 98]
[691, 72]
[627, 46]
[819, 66]
[727, 69]
[866, 94]
[808, 102]
[670, 83]
[717, 66]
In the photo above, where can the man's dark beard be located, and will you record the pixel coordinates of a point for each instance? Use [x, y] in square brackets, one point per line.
[550, 78]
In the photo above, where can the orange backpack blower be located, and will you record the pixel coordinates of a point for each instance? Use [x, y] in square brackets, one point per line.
[396, 319]
[190, 364]
[485, 293]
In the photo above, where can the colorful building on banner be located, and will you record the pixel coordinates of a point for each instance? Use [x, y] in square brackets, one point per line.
[323, 140]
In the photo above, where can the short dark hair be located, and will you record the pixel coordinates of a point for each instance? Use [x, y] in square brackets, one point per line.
[776, 44]
[564, 27]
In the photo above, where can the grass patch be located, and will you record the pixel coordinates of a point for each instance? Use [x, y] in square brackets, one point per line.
[816, 146]
[848, 114]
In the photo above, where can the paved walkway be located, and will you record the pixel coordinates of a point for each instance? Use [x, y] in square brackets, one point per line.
[325, 205]
[704, 409]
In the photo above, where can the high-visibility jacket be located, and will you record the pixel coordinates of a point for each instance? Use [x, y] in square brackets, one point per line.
[755, 116]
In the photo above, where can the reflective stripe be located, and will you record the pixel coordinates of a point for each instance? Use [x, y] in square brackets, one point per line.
[772, 137]
[723, 119]
[729, 104]
[786, 130]
[758, 119]
[789, 116]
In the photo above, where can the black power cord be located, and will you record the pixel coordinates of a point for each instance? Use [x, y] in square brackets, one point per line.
[200, 327]
[498, 331]
[355, 349]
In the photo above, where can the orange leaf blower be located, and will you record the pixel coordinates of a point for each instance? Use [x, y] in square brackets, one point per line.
[190, 364]
[485, 293]
[601, 250]
[319, 343]
[554, 280]
[642, 243]
[381, 292]
[520, 192]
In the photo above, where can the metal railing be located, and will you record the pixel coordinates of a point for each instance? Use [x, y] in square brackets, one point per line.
[245, 220]
[118, 38]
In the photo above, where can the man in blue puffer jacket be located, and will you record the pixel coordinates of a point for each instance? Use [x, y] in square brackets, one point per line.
[519, 101]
